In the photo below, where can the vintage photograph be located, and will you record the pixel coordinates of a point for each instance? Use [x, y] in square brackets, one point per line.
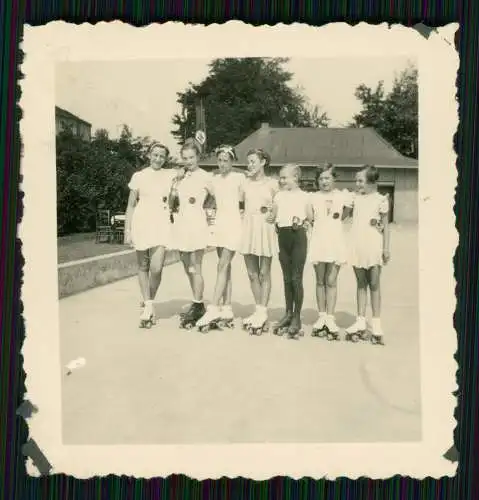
[238, 250]
[245, 251]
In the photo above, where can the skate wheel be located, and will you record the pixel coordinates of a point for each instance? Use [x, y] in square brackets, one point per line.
[188, 326]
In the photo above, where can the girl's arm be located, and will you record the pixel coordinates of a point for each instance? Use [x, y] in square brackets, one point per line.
[309, 213]
[386, 237]
[132, 201]
[273, 214]
[384, 212]
[348, 205]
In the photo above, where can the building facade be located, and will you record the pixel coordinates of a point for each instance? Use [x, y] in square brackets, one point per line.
[348, 149]
[65, 120]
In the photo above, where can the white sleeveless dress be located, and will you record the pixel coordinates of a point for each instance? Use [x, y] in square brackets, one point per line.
[327, 243]
[365, 240]
[227, 190]
[190, 229]
[258, 237]
[150, 223]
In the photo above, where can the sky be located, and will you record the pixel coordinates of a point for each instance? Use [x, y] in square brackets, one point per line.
[142, 93]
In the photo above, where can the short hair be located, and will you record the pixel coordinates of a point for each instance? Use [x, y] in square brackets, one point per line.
[191, 144]
[157, 144]
[327, 167]
[295, 169]
[371, 172]
[261, 154]
[229, 150]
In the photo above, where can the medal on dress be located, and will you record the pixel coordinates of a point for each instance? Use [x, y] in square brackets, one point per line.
[373, 222]
[336, 215]
[192, 200]
[263, 209]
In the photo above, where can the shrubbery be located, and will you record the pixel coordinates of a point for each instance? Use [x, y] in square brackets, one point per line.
[94, 175]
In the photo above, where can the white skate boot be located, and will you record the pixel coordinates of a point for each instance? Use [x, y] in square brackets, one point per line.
[332, 328]
[319, 328]
[247, 321]
[147, 317]
[259, 322]
[357, 331]
[377, 335]
[210, 319]
[227, 317]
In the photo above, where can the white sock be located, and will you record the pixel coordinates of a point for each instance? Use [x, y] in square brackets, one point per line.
[376, 325]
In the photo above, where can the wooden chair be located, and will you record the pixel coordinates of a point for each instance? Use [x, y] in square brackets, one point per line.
[103, 226]
[118, 228]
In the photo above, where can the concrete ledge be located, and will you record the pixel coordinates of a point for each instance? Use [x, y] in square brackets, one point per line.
[80, 275]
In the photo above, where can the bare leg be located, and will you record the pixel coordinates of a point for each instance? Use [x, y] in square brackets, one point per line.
[265, 280]
[320, 270]
[156, 269]
[185, 260]
[229, 287]
[362, 291]
[224, 264]
[252, 266]
[143, 259]
[332, 271]
[196, 272]
[374, 275]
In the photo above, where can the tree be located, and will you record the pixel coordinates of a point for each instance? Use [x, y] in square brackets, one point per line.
[395, 115]
[238, 95]
[93, 175]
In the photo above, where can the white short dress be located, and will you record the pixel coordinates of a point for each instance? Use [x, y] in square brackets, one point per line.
[190, 229]
[228, 192]
[365, 239]
[327, 242]
[258, 237]
[150, 223]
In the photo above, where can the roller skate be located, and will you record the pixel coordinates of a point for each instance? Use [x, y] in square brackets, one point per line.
[332, 329]
[357, 331]
[209, 320]
[259, 322]
[226, 317]
[147, 317]
[247, 321]
[377, 336]
[191, 317]
[282, 325]
[295, 330]
[319, 328]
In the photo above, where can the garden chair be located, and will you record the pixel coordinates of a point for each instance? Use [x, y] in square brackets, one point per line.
[103, 227]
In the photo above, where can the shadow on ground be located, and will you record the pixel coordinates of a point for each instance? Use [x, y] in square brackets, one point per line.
[172, 308]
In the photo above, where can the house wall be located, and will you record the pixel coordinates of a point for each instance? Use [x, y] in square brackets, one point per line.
[78, 127]
[401, 183]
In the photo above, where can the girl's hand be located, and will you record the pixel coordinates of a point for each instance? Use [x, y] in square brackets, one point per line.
[386, 256]
[270, 218]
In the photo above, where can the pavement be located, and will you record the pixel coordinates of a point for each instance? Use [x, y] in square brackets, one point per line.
[172, 386]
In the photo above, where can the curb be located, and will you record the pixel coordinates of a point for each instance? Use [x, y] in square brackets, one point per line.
[81, 275]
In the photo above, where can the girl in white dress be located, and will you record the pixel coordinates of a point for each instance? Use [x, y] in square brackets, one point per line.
[258, 239]
[190, 228]
[227, 184]
[327, 250]
[369, 250]
[147, 224]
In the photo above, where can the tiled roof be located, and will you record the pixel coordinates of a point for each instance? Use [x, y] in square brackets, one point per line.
[315, 146]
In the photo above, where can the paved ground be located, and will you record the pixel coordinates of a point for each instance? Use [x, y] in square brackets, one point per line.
[167, 385]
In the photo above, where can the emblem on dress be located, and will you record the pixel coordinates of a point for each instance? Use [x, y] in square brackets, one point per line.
[374, 222]
[336, 215]
[263, 209]
[192, 200]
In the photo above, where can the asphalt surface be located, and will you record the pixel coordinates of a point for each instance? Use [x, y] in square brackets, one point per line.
[166, 385]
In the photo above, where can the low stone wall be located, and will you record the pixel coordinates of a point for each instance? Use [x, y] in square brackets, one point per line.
[81, 275]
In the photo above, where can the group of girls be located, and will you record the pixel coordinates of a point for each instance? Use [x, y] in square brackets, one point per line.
[258, 217]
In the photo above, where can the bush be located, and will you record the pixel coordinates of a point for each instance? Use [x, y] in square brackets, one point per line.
[93, 175]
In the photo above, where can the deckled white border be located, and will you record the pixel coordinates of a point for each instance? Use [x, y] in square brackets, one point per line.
[438, 65]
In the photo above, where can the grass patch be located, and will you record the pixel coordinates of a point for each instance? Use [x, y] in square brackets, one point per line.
[83, 246]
